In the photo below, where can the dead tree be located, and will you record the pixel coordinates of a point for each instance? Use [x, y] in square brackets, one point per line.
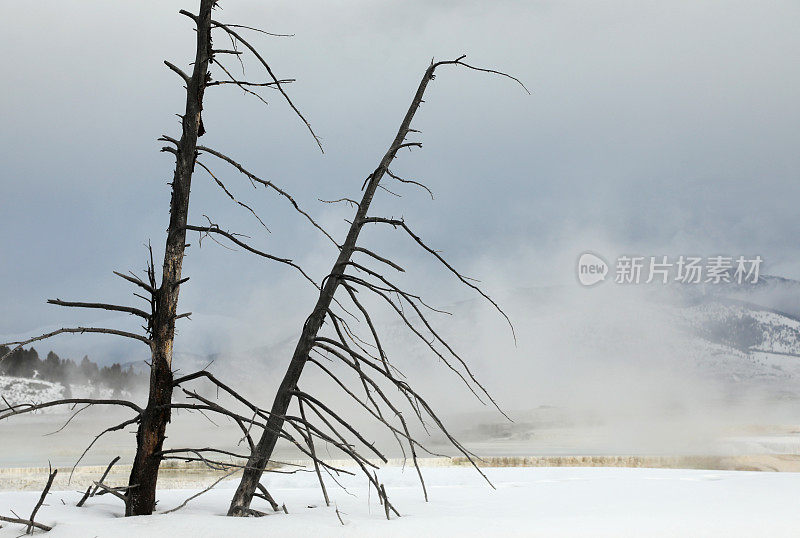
[353, 277]
[154, 418]
[162, 297]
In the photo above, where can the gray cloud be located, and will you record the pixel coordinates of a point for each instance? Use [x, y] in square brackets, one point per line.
[663, 127]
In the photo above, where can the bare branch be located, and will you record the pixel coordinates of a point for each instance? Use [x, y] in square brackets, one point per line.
[310, 441]
[458, 61]
[196, 495]
[412, 182]
[138, 282]
[350, 201]
[186, 78]
[231, 196]
[118, 427]
[269, 185]
[26, 522]
[113, 491]
[200, 450]
[30, 523]
[405, 389]
[75, 330]
[41, 499]
[465, 280]
[259, 30]
[246, 83]
[21, 409]
[216, 230]
[316, 403]
[241, 86]
[101, 306]
[267, 497]
[229, 29]
[92, 492]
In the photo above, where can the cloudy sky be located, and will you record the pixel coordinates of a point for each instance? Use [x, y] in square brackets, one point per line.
[653, 127]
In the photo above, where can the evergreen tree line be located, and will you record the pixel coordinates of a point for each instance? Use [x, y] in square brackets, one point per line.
[26, 363]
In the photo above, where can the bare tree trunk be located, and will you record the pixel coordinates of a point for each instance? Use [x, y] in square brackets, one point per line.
[263, 451]
[154, 419]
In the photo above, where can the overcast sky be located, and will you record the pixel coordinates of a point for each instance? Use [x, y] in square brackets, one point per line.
[653, 127]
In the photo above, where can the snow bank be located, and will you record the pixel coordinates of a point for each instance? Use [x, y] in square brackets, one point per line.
[527, 502]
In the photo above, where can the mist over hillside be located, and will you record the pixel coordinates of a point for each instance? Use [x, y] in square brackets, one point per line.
[612, 369]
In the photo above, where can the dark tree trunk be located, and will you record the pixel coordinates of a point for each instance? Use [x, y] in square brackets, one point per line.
[153, 424]
[261, 455]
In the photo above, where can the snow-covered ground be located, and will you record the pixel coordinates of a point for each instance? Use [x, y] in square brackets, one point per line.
[21, 390]
[527, 502]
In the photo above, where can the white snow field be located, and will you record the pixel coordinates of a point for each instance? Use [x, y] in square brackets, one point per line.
[528, 501]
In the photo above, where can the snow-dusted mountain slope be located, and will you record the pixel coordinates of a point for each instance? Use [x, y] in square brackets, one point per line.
[17, 390]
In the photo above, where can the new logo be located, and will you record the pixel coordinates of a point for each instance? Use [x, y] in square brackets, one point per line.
[591, 269]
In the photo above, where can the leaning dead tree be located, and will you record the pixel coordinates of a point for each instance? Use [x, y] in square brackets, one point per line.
[161, 314]
[366, 359]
